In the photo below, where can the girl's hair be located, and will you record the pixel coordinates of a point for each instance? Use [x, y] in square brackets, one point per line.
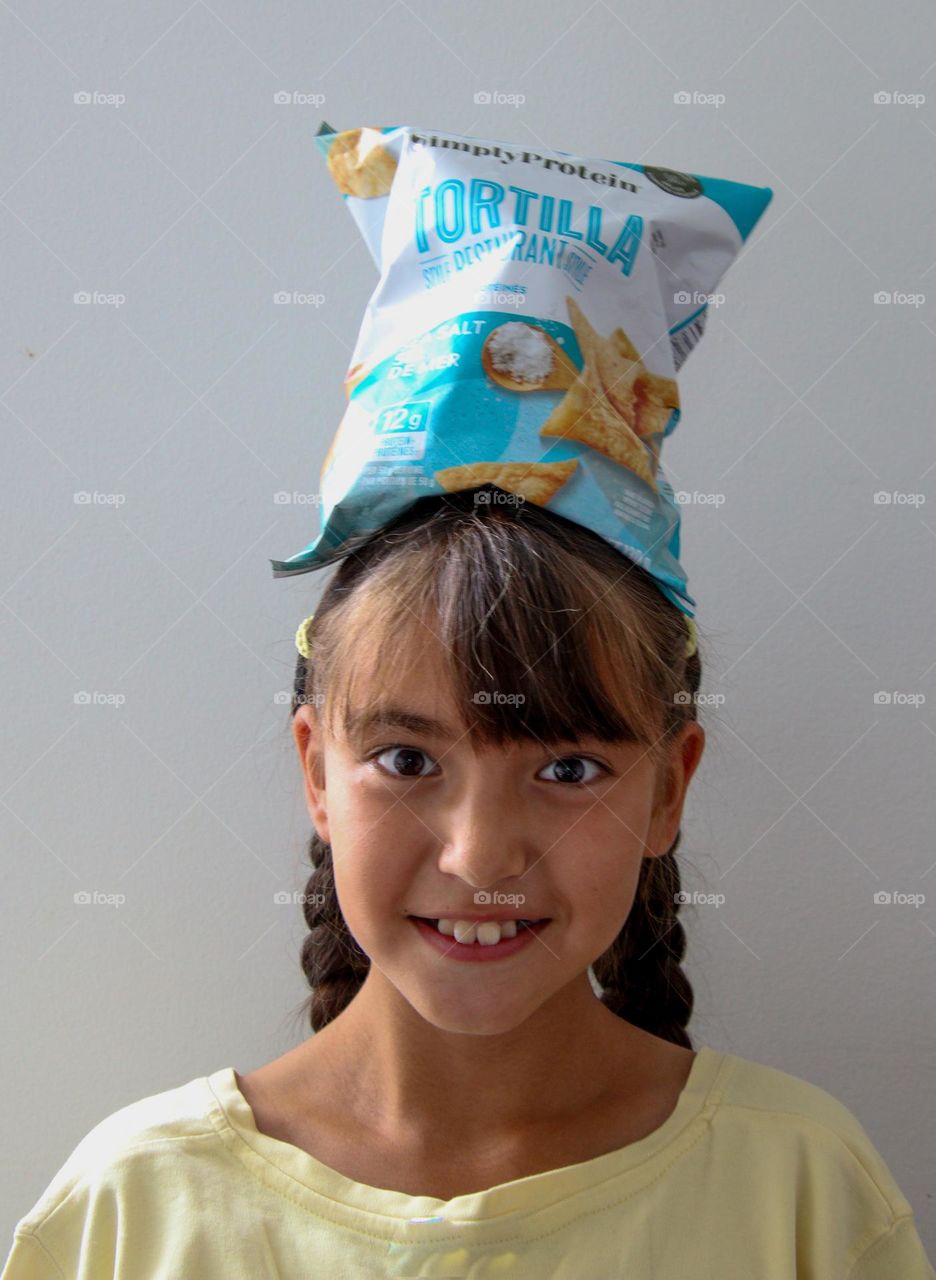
[520, 601]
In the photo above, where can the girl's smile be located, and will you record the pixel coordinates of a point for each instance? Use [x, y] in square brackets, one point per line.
[455, 949]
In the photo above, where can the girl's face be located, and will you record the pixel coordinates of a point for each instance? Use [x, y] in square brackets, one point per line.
[419, 824]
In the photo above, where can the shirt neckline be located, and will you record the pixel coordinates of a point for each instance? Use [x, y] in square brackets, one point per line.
[323, 1190]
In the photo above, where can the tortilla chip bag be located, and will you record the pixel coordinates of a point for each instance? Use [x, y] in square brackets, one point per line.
[532, 313]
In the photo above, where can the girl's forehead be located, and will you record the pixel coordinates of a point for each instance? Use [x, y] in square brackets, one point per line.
[409, 661]
[396, 660]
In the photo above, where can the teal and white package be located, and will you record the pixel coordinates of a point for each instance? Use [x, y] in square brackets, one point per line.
[532, 312]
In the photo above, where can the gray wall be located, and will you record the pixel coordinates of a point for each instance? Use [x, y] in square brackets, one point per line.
[185, 409]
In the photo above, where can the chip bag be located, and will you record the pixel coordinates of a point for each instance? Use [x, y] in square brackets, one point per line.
[532, 312]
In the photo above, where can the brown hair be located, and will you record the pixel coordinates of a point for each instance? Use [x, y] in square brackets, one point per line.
[522, 600]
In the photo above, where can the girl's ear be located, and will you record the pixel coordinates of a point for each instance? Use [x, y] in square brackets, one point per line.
[308, 738]
[683, 761]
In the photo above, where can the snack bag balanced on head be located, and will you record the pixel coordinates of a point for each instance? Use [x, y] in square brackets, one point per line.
[532, 312]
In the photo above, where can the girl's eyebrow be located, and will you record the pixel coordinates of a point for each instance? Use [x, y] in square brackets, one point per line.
[363, 722]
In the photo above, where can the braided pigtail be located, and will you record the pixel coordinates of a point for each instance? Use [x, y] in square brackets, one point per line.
[333, 963]
[641, 973]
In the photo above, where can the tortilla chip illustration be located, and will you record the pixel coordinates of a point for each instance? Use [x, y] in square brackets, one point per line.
[359, 165]
[535, 481]
[624, 345]
[601, 408]
[653, 413]
[355, 374]
[585, 415]
[664, 388]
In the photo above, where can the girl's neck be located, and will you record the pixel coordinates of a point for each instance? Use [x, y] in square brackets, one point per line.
[406, 1081]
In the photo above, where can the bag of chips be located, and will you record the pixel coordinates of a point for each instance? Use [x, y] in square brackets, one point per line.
[532, 313]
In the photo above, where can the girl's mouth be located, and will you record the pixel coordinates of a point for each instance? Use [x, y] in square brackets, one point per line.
[491, 940]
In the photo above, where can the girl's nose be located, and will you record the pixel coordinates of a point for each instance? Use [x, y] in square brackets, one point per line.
[486, 838]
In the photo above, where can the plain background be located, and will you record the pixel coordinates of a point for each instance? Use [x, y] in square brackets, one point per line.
[186, 409]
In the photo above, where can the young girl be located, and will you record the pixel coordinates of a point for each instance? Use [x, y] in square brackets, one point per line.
[496, 726]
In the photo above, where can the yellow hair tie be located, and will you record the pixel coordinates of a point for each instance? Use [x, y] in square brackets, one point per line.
[693, 642]
[302, 640]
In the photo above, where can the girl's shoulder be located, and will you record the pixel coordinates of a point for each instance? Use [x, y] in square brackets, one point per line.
[160, 1126]
[765, 1108]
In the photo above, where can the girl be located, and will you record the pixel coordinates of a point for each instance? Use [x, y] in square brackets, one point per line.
[496, 725]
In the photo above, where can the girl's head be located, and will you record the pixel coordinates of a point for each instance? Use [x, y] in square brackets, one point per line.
[555, 775]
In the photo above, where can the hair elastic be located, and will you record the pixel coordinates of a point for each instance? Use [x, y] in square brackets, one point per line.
[302, 640]
[693, 642]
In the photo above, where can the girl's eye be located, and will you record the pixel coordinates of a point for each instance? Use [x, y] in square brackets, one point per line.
[570, 769]
[407, 762]
[403, 758]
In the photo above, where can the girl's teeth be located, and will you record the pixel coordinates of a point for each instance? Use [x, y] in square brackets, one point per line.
[486, 933]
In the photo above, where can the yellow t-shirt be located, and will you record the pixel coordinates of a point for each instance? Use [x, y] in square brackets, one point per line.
[756, 1175]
